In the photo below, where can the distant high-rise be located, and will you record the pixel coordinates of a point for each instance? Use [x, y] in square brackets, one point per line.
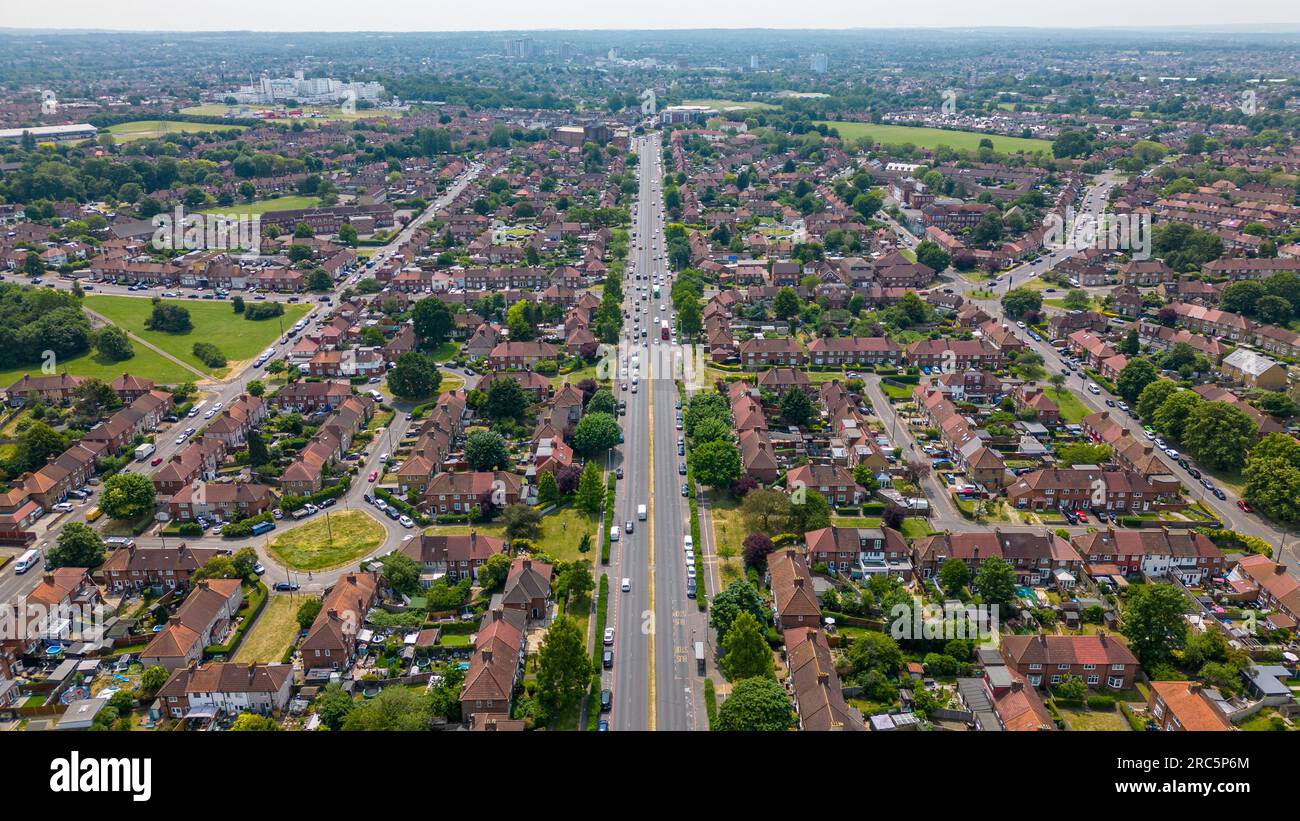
[819, 63]
[753, 61]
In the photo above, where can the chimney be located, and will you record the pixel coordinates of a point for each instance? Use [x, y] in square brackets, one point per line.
[528, 564]
[490, 725]
[1194, 687]
[798, 582]
[352, 578]
[487, 656]
[823, 678]
[496, 614]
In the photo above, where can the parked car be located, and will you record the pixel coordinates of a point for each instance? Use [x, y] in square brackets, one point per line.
[1241, 503]
[609, 636]
[286, 587]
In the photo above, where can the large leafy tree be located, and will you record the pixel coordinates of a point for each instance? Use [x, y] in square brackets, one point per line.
[591, 489]
[505, 399]
[875, 652]
[796, 407]
[1272, 475]
[1153, 396]
[1137, 374]
[1172, 415]
[432, 321]
[953, 576]
[78, 546]
[758, 705]
[809, 510]
[739, 597]
[595, 433]
[486, 450]
[745, 651]
[716, 463]
[395, 709]
[563, 667]
[1220, 434]
[416, 376]
[996, 581]
[1020, 301]
[1154, 624]
[705, 406]
[127, 496]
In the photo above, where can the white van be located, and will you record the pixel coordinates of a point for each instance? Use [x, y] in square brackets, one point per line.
[640, 512]
[613, 533]
[27, 561]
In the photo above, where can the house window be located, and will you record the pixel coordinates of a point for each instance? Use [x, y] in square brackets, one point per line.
[1093, 679]
[1115, 681]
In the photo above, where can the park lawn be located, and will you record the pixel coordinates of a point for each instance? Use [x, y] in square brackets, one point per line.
[867, 522]
[934, 137]
[308, 547]
[451, 382]
[148, 129]
[445, 351]
[1094, 720]
[562, 529]
[725, 104]
[146, 363]
[272, 633]
[214, 321]
[729, 529]
[1072, 409]
[914, 528]
[293, 202]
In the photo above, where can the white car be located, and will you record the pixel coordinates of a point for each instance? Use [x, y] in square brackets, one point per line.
[627, 585]
[406, 522]
[609, 636]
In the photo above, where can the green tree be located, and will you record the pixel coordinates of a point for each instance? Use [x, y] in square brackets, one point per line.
[1171, 417]
[756, 705]
[333, 705]
[258, 455]
[252, 722]
[931, 255]
[1153, 622]
[152, 679]
[591, 489]
[522, 522]
[402, 573]
[786, 304]
[113, 343]
[796, 407]
[487, 450]
[415, 377]
[307, 613]
[809, 511]
[1135, 376]
[78, 546]
[563, 668]
[875, 652]
[745, 650]
[1272, 475]
[1020, 301]
[127, 496]
[595, 433]
[715, 464]
[712, 430]
[1220, 434]
[738, 597]
[395, 709]
[1153, 396]
[432, 320]
[505, 399]
[548, 490]
[996, 582]
[953, 576]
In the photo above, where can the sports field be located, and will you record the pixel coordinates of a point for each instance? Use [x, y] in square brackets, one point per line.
[147, 129]
[934, 137]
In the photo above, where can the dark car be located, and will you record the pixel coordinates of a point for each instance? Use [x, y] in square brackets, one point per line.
[602, 726]
[1070, 517]
[685, 490]
[619, 473]
[286, 587]
[606, 700]
[607, 659]
[1219, 494]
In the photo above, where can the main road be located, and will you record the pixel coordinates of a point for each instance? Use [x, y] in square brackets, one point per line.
[654, 621]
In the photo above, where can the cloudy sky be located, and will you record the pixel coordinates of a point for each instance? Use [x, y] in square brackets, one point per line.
[440, 15]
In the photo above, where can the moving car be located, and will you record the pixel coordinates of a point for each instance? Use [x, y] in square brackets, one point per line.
[609, 636]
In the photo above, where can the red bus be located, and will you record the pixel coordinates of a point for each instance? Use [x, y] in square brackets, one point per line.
[663, 329]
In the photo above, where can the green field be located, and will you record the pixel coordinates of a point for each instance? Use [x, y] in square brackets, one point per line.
[934, 137]
[214, 321]
[145, 363]
[289, 203]
[725, 104]
[328, 541]
[325, 114]
[149, 129]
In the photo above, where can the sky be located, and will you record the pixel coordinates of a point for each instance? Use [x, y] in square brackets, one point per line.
[494, 15]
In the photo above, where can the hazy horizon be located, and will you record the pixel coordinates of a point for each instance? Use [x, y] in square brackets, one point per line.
[408, 16]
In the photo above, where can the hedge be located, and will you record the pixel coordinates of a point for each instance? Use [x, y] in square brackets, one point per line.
[710, 702]
[1235, 540]
[256, 601]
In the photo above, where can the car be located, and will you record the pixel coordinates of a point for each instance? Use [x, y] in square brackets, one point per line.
[609, 636]
[690, 588]
[1219, 494]
[156, 461]
[1070, 517]
[277, 513]
[380, 504]
[1083, 517]
[1207, 484]
[1194, 473]
[1241, 503]
[627, 526]
[607, 659]
[286, 587]
[259, 568]
[406, 522]
[686, 491]
[606, 700]
[1110, 403]
[1173, 454]
[374, 474]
